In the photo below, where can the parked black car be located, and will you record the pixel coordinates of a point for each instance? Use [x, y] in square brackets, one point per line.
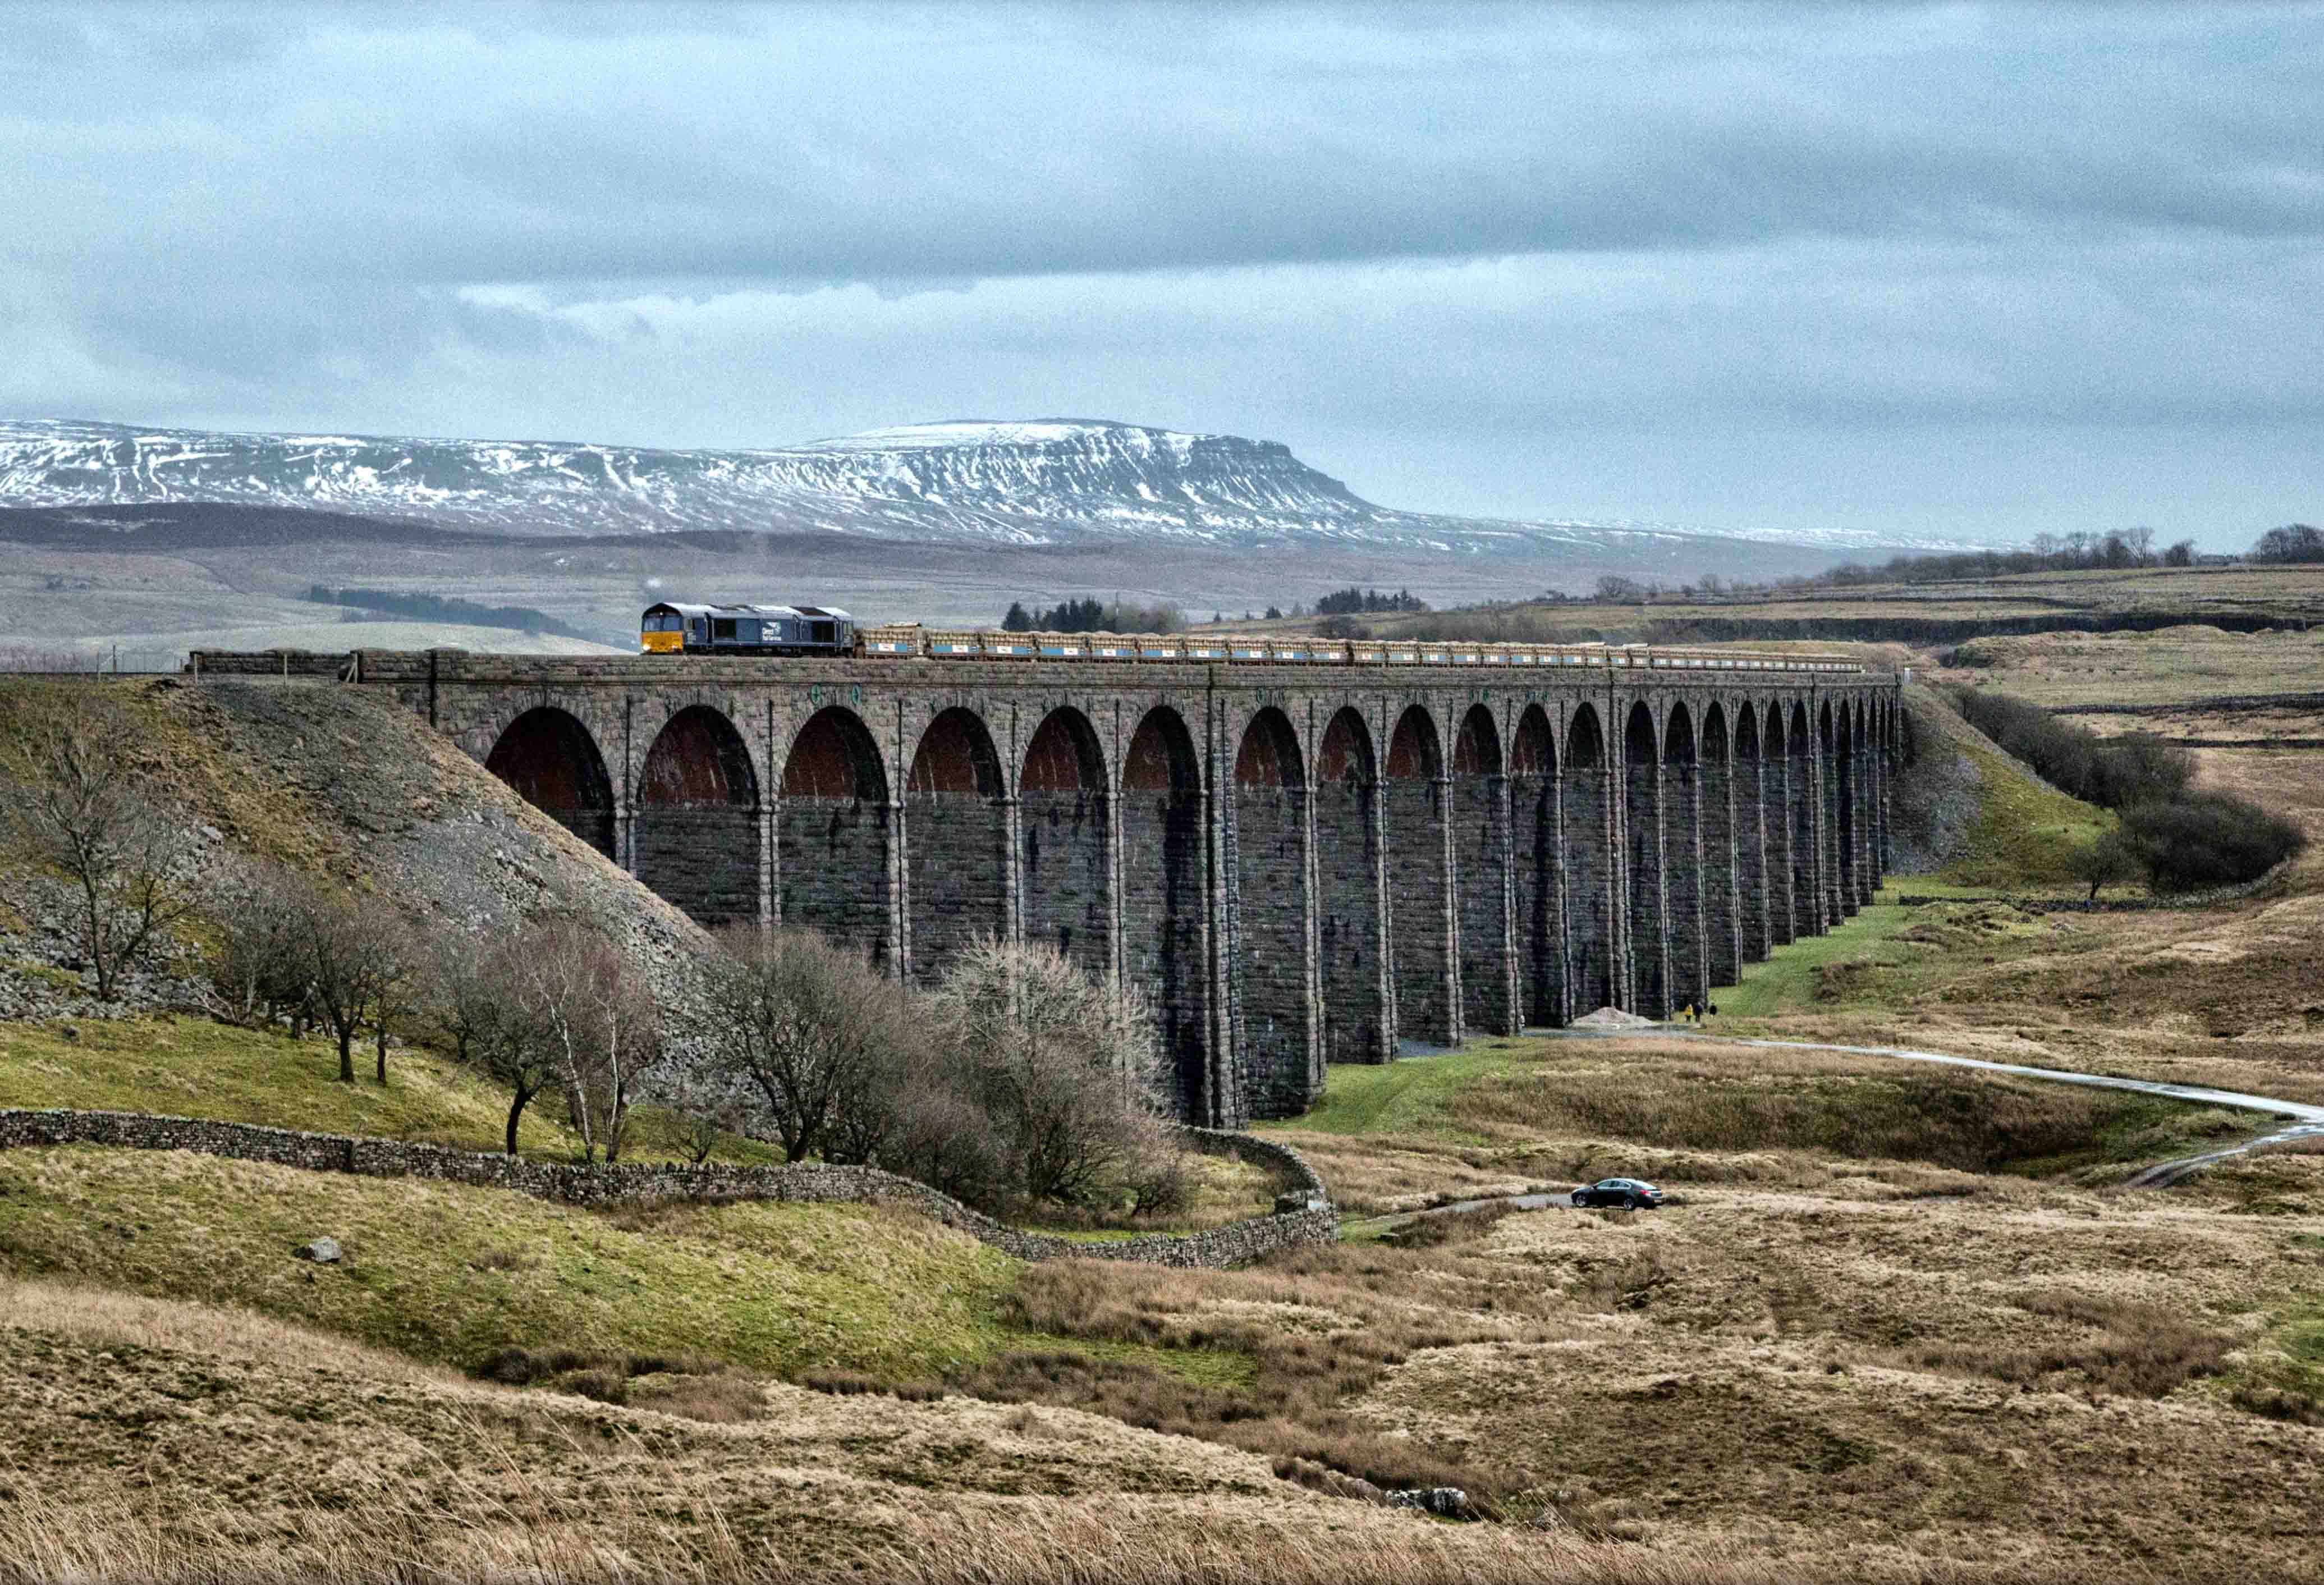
[1629, 1193]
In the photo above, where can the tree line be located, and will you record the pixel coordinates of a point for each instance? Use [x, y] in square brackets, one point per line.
[1090, 614]
[2170, 835]
[1016, 1082]
[443, 608]
[1354, 602]
[2120, 550]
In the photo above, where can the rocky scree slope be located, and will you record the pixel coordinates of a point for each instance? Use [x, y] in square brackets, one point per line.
[345, 785]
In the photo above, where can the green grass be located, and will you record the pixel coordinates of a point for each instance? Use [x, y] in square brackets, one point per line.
[1787, 981]
[447, 1273]
[2027, 836]
[2284, 1379]
[785, 1288]
[2134, 1129]
[1886, 958]
[1404, 1098]
[192, 1068]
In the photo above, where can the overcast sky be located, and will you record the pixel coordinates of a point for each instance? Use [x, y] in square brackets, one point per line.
[1976, 272]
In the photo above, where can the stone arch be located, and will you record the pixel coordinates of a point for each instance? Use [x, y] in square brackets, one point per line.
[955, 843]
[1749, 801]
[1683, 883]
[1272, 966]
[1595, 974]
[551, 761]
[832, 834]
[1801, 795]
[1415, 813]
[1722, 948]
[1538, 867]
[696, 832]
[1064, 815]
[1349, 912]
[1642, 790]
[1481, 892]
[1165, 931]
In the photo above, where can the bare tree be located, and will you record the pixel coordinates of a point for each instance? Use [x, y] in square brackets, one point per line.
[600, 1023]
[482, 1005]
[347, 951]
[808, 1025]
[2110, 860]
[396, 982]
[260, 970]
[706, 1112]
[1068, 1067]
[78, 807]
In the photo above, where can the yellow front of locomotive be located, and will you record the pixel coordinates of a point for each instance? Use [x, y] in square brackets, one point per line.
[661, 631]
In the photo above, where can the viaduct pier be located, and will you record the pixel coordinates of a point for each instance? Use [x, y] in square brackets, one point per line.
[1299, 863]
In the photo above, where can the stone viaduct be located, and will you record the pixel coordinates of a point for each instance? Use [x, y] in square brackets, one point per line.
[1299, 863]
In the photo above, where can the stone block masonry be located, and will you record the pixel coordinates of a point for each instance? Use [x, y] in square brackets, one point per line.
[1307, 1216]
[1297, 863]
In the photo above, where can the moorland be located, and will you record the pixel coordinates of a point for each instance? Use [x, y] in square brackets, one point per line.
[1897, 1323]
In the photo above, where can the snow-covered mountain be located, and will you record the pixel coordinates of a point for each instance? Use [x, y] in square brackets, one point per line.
[1051, 482]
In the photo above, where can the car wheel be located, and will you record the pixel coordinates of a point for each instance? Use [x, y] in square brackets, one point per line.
[1579, 1199]
[1632, 1203]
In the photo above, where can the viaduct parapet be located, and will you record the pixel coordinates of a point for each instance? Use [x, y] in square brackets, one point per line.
[1299, 864]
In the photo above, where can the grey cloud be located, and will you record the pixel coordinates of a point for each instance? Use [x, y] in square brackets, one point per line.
[856, 145]
[1453, 234]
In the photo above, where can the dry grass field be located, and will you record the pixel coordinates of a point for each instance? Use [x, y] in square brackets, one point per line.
[2284, 597]
[1930, 1350]
[2176, 666]
[1899, 1324]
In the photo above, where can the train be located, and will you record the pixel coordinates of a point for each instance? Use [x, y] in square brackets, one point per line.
[674, 628]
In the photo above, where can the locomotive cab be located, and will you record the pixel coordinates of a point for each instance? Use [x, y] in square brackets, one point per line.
[661, 631]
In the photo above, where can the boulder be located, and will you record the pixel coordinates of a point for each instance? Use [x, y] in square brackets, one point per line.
[324, 1251]
[1446, 1502]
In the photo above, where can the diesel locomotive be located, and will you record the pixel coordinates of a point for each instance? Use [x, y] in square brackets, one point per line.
[670, 628]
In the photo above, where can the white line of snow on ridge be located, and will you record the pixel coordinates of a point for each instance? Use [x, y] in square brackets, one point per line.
[991, 432]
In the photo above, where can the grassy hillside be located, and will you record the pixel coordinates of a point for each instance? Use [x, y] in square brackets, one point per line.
[192, 1068]
[449, 1274]
[185, 1066]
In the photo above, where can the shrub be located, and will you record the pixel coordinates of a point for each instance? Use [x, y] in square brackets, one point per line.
[1066, 1069]
[2207, 839]
[2136, 768]
[2293, 542]
[819, 1037]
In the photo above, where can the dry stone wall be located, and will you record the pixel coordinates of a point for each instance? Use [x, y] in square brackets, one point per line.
[1304, 1214]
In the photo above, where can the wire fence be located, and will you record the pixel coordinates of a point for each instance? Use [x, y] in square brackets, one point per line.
[108, 661]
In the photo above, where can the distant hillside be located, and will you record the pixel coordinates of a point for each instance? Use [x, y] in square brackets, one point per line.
[1057, 483]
